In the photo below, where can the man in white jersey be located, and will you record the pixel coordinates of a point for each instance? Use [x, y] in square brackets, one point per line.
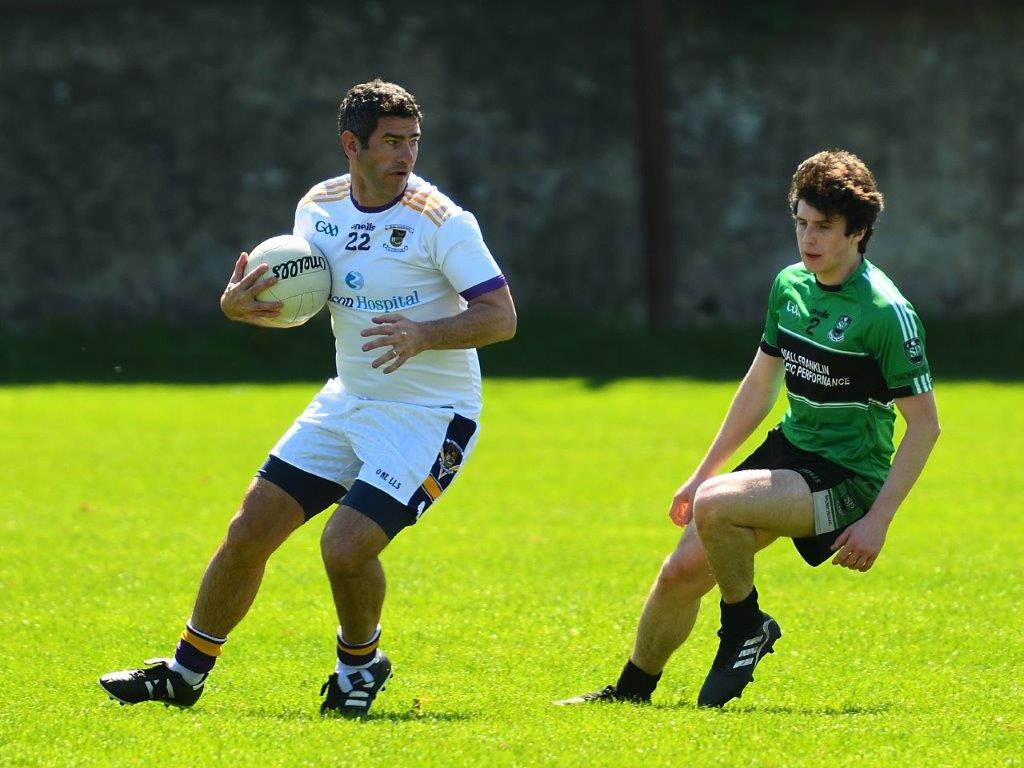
[415, 291]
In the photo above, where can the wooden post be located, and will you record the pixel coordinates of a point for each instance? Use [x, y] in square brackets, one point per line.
[655, 160]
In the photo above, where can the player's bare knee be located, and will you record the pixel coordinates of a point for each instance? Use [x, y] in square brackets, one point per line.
[712, 504]
[249, 535]
[340, 557]
[706, 510]
[685, 571]
[260, 525]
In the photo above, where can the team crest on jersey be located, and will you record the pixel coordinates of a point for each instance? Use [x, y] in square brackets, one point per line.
[396, 242]
[449, 459]
[914, 351]
[839, 329]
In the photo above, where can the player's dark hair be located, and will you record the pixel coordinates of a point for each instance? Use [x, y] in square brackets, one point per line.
[837, 182]
[366, 103]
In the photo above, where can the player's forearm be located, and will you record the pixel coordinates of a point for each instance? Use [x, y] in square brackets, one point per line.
[477, 326]
[907, 465]
[751, 404]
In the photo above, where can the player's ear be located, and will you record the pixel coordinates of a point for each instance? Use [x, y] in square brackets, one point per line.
[350, 144]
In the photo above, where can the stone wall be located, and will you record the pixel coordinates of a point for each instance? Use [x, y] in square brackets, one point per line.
[932, 99]
[143, 146]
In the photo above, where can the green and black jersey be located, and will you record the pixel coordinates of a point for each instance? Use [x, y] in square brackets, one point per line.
[849, 350]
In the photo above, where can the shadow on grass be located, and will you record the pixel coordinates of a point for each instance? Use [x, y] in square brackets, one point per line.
[546, 346]
[413, 716]
[824, 711]
[312, 715]
[845, 710]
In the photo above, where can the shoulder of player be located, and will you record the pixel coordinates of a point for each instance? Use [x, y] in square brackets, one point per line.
[328, 191]
[426, 200]
[794, 274]
[884, 304]
[879, 291]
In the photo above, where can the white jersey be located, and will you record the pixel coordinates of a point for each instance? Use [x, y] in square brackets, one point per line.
[422, 256]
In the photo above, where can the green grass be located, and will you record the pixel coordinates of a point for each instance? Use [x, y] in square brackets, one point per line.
[521, 587]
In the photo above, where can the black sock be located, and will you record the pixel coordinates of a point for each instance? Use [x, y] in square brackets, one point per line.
[743, 617]
[634, 683]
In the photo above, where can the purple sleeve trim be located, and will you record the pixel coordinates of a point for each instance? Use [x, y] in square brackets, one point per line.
[485, 287]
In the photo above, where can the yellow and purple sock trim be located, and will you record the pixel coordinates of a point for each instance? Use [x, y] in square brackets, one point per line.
[357, 655]
[197, 650]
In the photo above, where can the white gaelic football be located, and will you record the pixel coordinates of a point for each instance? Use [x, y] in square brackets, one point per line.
[303, 278]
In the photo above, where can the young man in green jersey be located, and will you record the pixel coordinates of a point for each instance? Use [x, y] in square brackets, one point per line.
[851, 351]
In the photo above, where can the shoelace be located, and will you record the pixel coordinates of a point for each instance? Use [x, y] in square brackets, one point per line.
[348, 682]
[156, 680]
[355, 677]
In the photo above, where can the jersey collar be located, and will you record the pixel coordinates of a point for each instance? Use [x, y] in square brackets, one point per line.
[377, 208]
[853, 276]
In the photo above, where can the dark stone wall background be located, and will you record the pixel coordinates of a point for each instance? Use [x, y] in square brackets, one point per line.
[142, 145]
[930, 95]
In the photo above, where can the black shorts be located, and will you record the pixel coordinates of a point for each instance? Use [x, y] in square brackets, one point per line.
[840, 497]
[315, 494]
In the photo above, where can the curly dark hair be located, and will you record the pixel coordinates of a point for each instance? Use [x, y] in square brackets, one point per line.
[366, 103]
[837, 182]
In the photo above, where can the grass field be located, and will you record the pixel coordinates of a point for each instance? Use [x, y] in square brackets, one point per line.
[521, 587]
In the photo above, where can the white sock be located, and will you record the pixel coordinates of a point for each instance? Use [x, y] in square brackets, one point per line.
[191, 677]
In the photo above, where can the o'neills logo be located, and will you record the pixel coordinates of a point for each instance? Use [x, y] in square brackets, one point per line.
[389, 304]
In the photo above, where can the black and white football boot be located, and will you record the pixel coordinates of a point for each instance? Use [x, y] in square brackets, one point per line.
[351, 694]
[734, 663]
[607, 694]
[156, 683]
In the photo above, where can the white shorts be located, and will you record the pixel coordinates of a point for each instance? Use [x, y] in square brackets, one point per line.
[411, 453]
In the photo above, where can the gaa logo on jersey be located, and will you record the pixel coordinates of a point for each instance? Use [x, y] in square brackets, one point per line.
[836, 334]
[326, 227]
[354, 280]
[914, 351]
[396, 241]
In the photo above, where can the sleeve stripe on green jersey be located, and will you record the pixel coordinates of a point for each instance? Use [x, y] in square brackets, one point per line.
[897, 302]
[922, 383]
[813, 343]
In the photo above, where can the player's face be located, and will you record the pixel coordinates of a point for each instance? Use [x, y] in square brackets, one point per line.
[825, 248]
[381, 169]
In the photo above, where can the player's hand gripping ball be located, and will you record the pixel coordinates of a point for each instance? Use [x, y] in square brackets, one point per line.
[303, 278]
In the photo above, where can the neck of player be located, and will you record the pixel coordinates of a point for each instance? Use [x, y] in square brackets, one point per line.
[841, 272]
[369, 195]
